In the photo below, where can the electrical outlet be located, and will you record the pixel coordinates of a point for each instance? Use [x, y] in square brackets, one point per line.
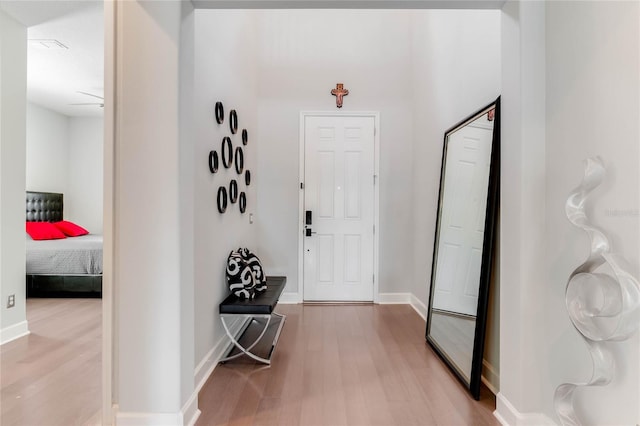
[11, 301]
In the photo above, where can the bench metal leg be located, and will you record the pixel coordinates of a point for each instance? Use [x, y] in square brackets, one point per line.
[247, 351]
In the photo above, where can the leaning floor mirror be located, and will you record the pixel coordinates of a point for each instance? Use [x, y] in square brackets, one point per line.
[464, 240]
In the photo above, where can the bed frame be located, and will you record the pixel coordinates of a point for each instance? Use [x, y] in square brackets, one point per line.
[49, 207]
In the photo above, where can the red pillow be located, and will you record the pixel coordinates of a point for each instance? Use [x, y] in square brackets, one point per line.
[70, 229]
[44, 231]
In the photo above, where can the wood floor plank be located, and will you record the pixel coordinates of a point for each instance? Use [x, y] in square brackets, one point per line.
[346, 365]
[52, 376]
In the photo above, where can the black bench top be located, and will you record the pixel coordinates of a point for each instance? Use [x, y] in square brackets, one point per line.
[262, 304]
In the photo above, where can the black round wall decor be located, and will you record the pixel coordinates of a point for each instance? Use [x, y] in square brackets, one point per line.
[247, 177]
[219, 112]
[233, 191]
[243, 202]
[239, 159]
[245, 137]
[233, 121]
[213, 161]
[222, 199]
[227, 152]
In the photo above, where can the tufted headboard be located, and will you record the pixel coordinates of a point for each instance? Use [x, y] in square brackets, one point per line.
[44, 206]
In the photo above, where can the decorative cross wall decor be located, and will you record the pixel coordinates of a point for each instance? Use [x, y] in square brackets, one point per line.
[339, 92]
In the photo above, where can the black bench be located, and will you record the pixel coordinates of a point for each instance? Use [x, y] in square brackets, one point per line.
[260, 308]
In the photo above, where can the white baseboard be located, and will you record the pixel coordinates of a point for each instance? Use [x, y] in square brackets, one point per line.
[418, 306]
[490, 377]
[290, 298]
[508, 415]
[205, 368]
[186, 417]
[149, 419]
[394, 298]
[14, 332]
[190, 411]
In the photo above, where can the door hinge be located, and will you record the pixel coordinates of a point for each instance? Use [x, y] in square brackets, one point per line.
[374, 278]
[301, 185]
[374, 229]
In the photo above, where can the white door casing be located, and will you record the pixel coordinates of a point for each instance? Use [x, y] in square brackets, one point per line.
[462, 219]
[338, 173]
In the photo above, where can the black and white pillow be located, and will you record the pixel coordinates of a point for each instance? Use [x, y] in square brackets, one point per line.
[240, 276]
[256, 266]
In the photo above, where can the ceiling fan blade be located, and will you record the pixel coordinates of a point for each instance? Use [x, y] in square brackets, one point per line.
[101, 105]
[90, 94]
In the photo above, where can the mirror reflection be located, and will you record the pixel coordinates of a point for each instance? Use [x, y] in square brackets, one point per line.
[461, 264]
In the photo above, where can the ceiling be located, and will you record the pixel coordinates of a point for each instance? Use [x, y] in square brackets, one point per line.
[66, 43]
[65, 53]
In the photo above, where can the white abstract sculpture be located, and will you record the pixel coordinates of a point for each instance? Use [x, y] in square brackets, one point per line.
[602, 307]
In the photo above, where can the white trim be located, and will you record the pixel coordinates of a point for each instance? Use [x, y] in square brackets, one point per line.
[149, 419]
[490, 377]
[205, 368]
[190, 411]
[376, 191]
[508, 415]
[394, 298]
[109, 409]
[419, 306]
[290, 298]
[14, 332]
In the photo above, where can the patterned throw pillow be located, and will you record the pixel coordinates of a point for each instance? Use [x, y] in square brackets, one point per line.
[240, 276]
[258, 272]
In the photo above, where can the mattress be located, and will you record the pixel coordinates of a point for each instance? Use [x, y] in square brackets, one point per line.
[70, 256]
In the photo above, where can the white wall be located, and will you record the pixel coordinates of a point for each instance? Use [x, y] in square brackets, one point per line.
[592, 108]
[47, 150]
[13, 89]
[522, 211]
[225, 71]
[65, 154]
[153, 295]
[456, 71]
[302, 55]
[570, 91]
[83, 199]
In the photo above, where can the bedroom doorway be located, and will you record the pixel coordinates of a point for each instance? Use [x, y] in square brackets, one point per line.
[64, 154]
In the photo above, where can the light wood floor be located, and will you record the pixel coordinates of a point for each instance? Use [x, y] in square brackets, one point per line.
[52, 376]
[334, 365]
[344, 365]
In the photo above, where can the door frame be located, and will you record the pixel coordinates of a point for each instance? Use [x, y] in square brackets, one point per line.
[376, 192]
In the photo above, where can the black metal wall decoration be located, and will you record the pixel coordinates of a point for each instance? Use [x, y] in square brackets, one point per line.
[213, 161]
[230, 155]
[222, 199]
[233, 191]
[239, 159]
[243, 202]
[219, 112]
[227, 152]
[233, 121]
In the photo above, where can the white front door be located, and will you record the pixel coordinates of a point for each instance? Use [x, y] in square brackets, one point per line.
[339, 194]
[462, 219]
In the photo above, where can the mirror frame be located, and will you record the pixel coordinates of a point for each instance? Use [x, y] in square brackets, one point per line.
[493, 198]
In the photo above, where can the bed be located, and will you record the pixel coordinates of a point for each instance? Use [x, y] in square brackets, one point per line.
[69, 267]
